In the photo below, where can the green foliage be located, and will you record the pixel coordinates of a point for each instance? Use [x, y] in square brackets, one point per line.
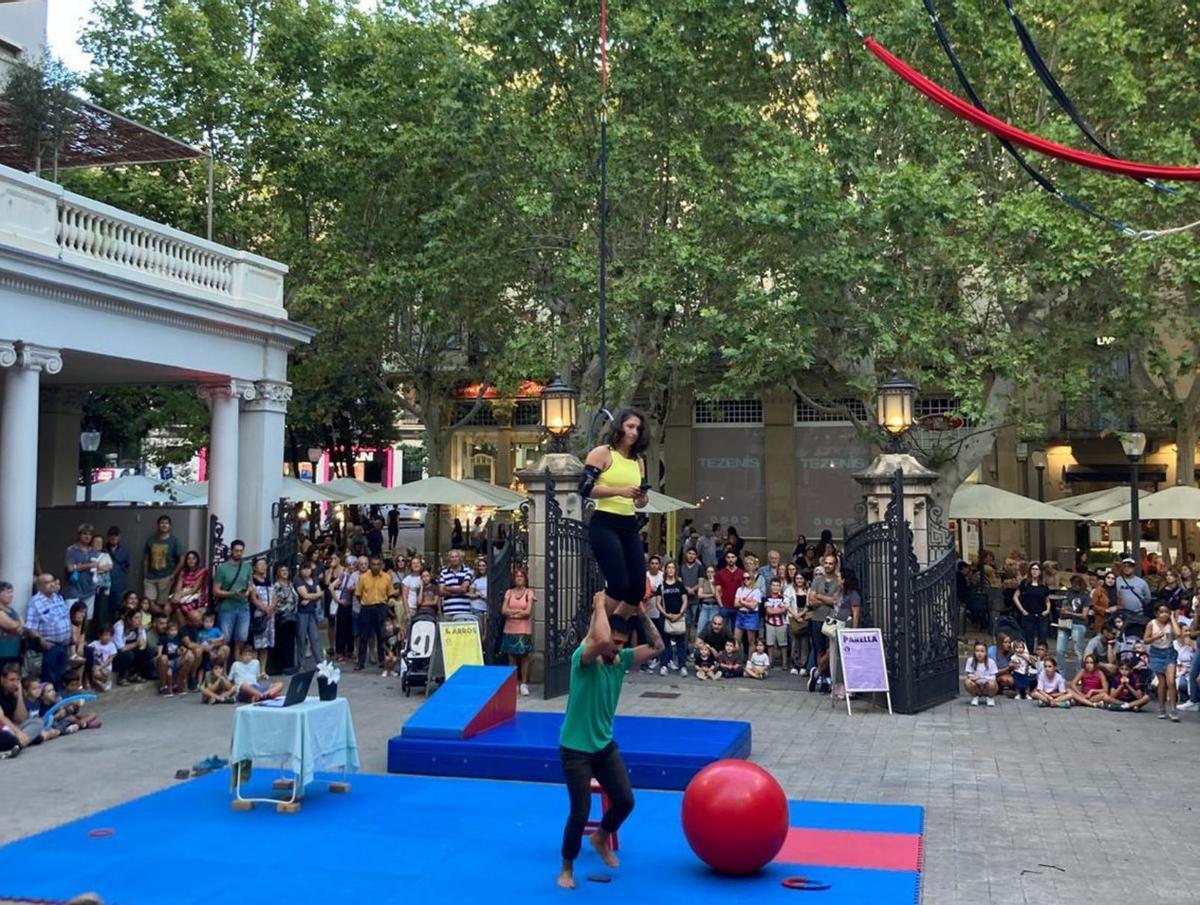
[126, 417]
[42, 109]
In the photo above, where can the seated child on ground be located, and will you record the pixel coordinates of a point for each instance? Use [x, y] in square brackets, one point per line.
[102, 652]
[759, 663]
[1051, 688]
[244, 677]
[979, 677]
[217, 689]
[729, 664]
[41, 696]
[214, 644]
[706, 663]
[1089, 687]
[174, 662]
[1128, 691]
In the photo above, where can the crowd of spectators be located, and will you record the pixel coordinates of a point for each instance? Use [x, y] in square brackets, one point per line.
[1121, 640]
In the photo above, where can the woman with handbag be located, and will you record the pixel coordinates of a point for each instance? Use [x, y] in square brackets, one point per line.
[191, 585]
[287, 603]
[674, 599]
[706, 592]
[795, 598]
[262, 611]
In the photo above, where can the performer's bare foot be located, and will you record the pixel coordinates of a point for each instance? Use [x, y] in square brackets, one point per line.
[566, 876]
[601, 843]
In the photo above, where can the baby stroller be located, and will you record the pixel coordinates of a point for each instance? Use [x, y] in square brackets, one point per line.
[418, 654]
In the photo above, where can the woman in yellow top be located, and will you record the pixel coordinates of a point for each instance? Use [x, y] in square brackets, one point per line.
[615, 477]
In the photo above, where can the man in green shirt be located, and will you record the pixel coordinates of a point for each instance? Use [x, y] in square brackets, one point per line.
[585, 743]
[230, 584]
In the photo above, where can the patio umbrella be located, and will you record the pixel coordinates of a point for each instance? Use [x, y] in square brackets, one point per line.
[983, 501]
[136, 488]
[435, 491]
[345, 488]
[1179, 502]
[505, 498]
[1088, 504]
[290, 488]
[661, 504]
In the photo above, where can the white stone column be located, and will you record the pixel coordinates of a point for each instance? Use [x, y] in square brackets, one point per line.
[23, 364]
[59, 418]
[260, 460]
[876, 481]
[223, 445]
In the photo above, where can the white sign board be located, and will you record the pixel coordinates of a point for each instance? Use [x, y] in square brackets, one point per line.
[864, 667]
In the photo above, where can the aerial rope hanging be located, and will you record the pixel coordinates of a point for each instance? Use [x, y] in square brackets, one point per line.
[960, 108]
[1038, 62]
[1042, 180]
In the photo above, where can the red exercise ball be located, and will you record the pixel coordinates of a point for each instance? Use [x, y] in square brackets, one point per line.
[735, 817]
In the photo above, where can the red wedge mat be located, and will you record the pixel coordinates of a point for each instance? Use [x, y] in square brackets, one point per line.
[848, 848]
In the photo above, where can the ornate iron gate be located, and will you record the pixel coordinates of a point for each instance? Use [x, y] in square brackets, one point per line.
[572, 578]
[915, 608]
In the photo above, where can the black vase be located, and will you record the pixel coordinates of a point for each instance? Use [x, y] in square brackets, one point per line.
[326, 689]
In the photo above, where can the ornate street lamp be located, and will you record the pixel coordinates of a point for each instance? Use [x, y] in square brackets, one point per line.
[558, 412]
[89, 442]
[1134, 444]
[894, 408]
[314, 457]
[1038, 459]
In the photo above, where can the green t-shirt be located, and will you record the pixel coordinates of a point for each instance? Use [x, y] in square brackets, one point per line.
[163, 556]
[232, 576]
[595, 690]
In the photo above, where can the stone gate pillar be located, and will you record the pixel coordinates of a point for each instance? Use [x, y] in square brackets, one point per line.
[565, 469]
[876, 481]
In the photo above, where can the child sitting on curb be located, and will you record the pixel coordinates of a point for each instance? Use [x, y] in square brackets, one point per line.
[759, 663]
[1051, 688]
[706, 663]
[217, 689]
[244, 677]
[729, 665]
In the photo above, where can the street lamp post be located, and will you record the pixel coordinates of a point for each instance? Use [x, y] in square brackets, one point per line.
[314, 457]
[1038, 458]
[558, 412]
[894, 409]
[89, 442]
[1023, 489]
[1134, 444]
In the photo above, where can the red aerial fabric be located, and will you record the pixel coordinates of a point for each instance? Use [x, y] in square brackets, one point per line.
[1001, 129]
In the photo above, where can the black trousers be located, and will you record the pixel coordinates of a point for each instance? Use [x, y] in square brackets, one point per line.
[608, 769]
[344, 630]
[617, 546]
[370, 623]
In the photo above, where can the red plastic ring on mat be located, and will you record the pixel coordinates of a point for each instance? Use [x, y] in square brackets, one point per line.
[804, 884]
[100, 833]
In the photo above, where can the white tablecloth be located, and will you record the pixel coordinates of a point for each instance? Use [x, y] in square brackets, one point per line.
[315, 735]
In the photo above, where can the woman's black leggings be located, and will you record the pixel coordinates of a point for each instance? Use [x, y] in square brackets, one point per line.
[617, 546]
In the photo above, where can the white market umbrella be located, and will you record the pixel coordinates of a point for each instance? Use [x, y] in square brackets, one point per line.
[290, 488]
[1180, 502]
[346, 488]
[983, 501]
[137, 488]
[435, 491]
[1088, 504]
[661, 504]
[504, 497]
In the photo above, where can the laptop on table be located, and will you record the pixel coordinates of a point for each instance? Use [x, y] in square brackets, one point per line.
[296, 693]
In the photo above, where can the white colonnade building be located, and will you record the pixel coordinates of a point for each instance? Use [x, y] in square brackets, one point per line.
[93, 296]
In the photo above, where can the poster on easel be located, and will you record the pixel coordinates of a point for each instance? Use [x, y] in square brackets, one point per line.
[461, 645]
[863, 664]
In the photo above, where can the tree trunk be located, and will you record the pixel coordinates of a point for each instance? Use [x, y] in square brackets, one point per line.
[1185, 454]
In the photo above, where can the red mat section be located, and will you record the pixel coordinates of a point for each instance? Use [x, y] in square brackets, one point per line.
[846, 848]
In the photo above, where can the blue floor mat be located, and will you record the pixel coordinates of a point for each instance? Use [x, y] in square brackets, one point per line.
[423, 839]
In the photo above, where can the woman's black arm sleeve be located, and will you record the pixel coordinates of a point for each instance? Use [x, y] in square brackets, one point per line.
[587, 480]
